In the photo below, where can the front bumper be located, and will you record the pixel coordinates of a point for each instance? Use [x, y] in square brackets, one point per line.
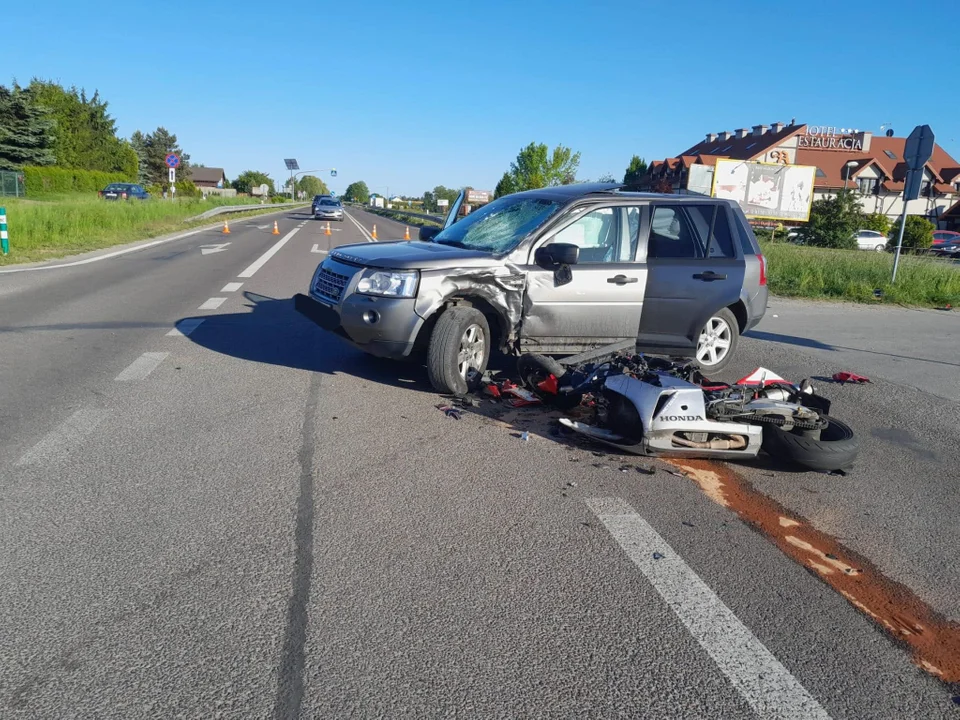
[391, 335]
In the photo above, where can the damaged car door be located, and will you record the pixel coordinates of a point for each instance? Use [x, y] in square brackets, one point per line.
[595, 300]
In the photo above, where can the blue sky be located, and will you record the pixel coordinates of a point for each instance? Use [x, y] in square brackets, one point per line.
[406, 96]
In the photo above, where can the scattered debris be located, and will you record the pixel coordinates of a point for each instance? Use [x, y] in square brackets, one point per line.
[658, 556]
[524, 436]
[849, 377]
[646, 469]
[571, 484]
[450, 412]
[677, 473]
[688, 524]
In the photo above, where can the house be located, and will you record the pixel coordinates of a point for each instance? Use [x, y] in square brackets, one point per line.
[844, 158]
[208, 177]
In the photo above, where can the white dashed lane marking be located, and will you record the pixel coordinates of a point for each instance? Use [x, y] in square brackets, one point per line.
[142, 366]
[753, 670]
[212, 304]
[185, 327]
[231, 287]
[67, 435]
[262, 260]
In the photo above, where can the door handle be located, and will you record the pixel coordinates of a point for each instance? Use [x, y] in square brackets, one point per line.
[621, 280]
[708, 276]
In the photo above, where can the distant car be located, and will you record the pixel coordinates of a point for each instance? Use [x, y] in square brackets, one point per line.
[318, 198]
[328, 209]
[871, 240]
[945, 236]
[947, 248]
[123, 191]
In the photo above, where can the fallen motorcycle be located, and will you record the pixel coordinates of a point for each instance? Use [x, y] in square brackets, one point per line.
[650, 406]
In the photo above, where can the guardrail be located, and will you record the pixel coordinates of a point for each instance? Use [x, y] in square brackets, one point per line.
[279, 207]
[393, 212]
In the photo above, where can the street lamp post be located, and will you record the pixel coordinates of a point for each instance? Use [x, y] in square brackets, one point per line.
[846, 180]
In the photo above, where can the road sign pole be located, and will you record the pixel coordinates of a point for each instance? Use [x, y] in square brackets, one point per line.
[4, 240]
[896, 254]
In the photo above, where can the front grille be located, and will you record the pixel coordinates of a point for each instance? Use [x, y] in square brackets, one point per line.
[330, 284]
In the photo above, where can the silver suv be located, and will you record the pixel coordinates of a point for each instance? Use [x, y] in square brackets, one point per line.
[556, 271]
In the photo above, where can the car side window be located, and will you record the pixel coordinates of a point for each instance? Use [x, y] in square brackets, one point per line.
[671, 235]
[713, 228]
[596, 234]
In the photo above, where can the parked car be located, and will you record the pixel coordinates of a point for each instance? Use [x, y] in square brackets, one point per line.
[554, 271]
[945, 236]
[328, 209]
[871, 240]
[947, 248]
[123, 191]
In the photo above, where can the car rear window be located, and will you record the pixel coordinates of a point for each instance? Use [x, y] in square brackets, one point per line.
[747, 239]
[117, 186]
[328, 202]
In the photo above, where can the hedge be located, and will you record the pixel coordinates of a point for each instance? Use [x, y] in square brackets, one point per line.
[56, 180]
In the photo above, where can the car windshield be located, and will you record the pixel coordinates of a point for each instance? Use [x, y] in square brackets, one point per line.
[328, 202]
[500, 226]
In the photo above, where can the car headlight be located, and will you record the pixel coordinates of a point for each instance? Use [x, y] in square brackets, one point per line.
[389, 284]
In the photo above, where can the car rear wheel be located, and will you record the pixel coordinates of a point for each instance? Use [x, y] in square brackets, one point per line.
[880, 248]
[718, 341]
[459, 349]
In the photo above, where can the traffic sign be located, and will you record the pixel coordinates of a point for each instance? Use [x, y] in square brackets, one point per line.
[919, 147]
[173, 160]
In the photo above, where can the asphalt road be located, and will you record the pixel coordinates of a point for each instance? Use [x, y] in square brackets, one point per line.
[248, 518]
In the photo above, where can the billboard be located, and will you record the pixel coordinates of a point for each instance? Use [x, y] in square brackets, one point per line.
[478, 196]
[700, 180]
[766, 191]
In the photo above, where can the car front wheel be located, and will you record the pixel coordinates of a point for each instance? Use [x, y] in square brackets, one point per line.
[880, 248]
[718, 341]
[459, 349]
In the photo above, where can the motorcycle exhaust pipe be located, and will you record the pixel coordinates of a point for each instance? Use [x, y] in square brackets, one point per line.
[734, 442]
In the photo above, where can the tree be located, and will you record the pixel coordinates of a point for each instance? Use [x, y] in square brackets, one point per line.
[26, 136]
[357, 192]
[635, 170]
[876, 221]
[537, 167]
[606, 178]
[152, 151]
[506, 186]
[833, 222]
[84, 134]
[312, 185]
[249, 179]
[917, 235]
[662, 185]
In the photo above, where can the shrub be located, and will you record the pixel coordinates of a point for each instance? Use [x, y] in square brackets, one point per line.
[42, 181]
[877, 222]
[918, 234]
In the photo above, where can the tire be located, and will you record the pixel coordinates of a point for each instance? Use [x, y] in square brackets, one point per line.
[447, 367]
[724, 326]
[880, 248]
[836, 449]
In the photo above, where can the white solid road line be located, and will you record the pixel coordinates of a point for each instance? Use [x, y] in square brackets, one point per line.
[67, 434]
[362, 229]
[231, 287]
[142, 366]
[753, 670]
[185, 327]
[262, 260]
[116, 253]
[316, 249]
[212, 304]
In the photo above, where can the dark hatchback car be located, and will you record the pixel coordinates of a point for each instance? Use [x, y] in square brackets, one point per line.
[124, 191]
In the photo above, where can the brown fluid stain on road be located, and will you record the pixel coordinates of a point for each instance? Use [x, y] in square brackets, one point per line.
[934, 640]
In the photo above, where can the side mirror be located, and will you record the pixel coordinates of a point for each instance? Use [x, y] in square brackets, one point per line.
[555, 254]
[429, 233]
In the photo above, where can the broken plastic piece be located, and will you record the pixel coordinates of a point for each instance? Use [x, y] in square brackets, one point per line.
[658, 556]
[761, 376]
[550, 385]
[524, 436]
[450, 412]
[492, 391]
[845, 377]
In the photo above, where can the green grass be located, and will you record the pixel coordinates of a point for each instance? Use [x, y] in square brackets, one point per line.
[70, 224]
[401, 216]
[807, 272]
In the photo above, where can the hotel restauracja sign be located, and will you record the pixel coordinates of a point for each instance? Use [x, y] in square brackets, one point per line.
[827, 137]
